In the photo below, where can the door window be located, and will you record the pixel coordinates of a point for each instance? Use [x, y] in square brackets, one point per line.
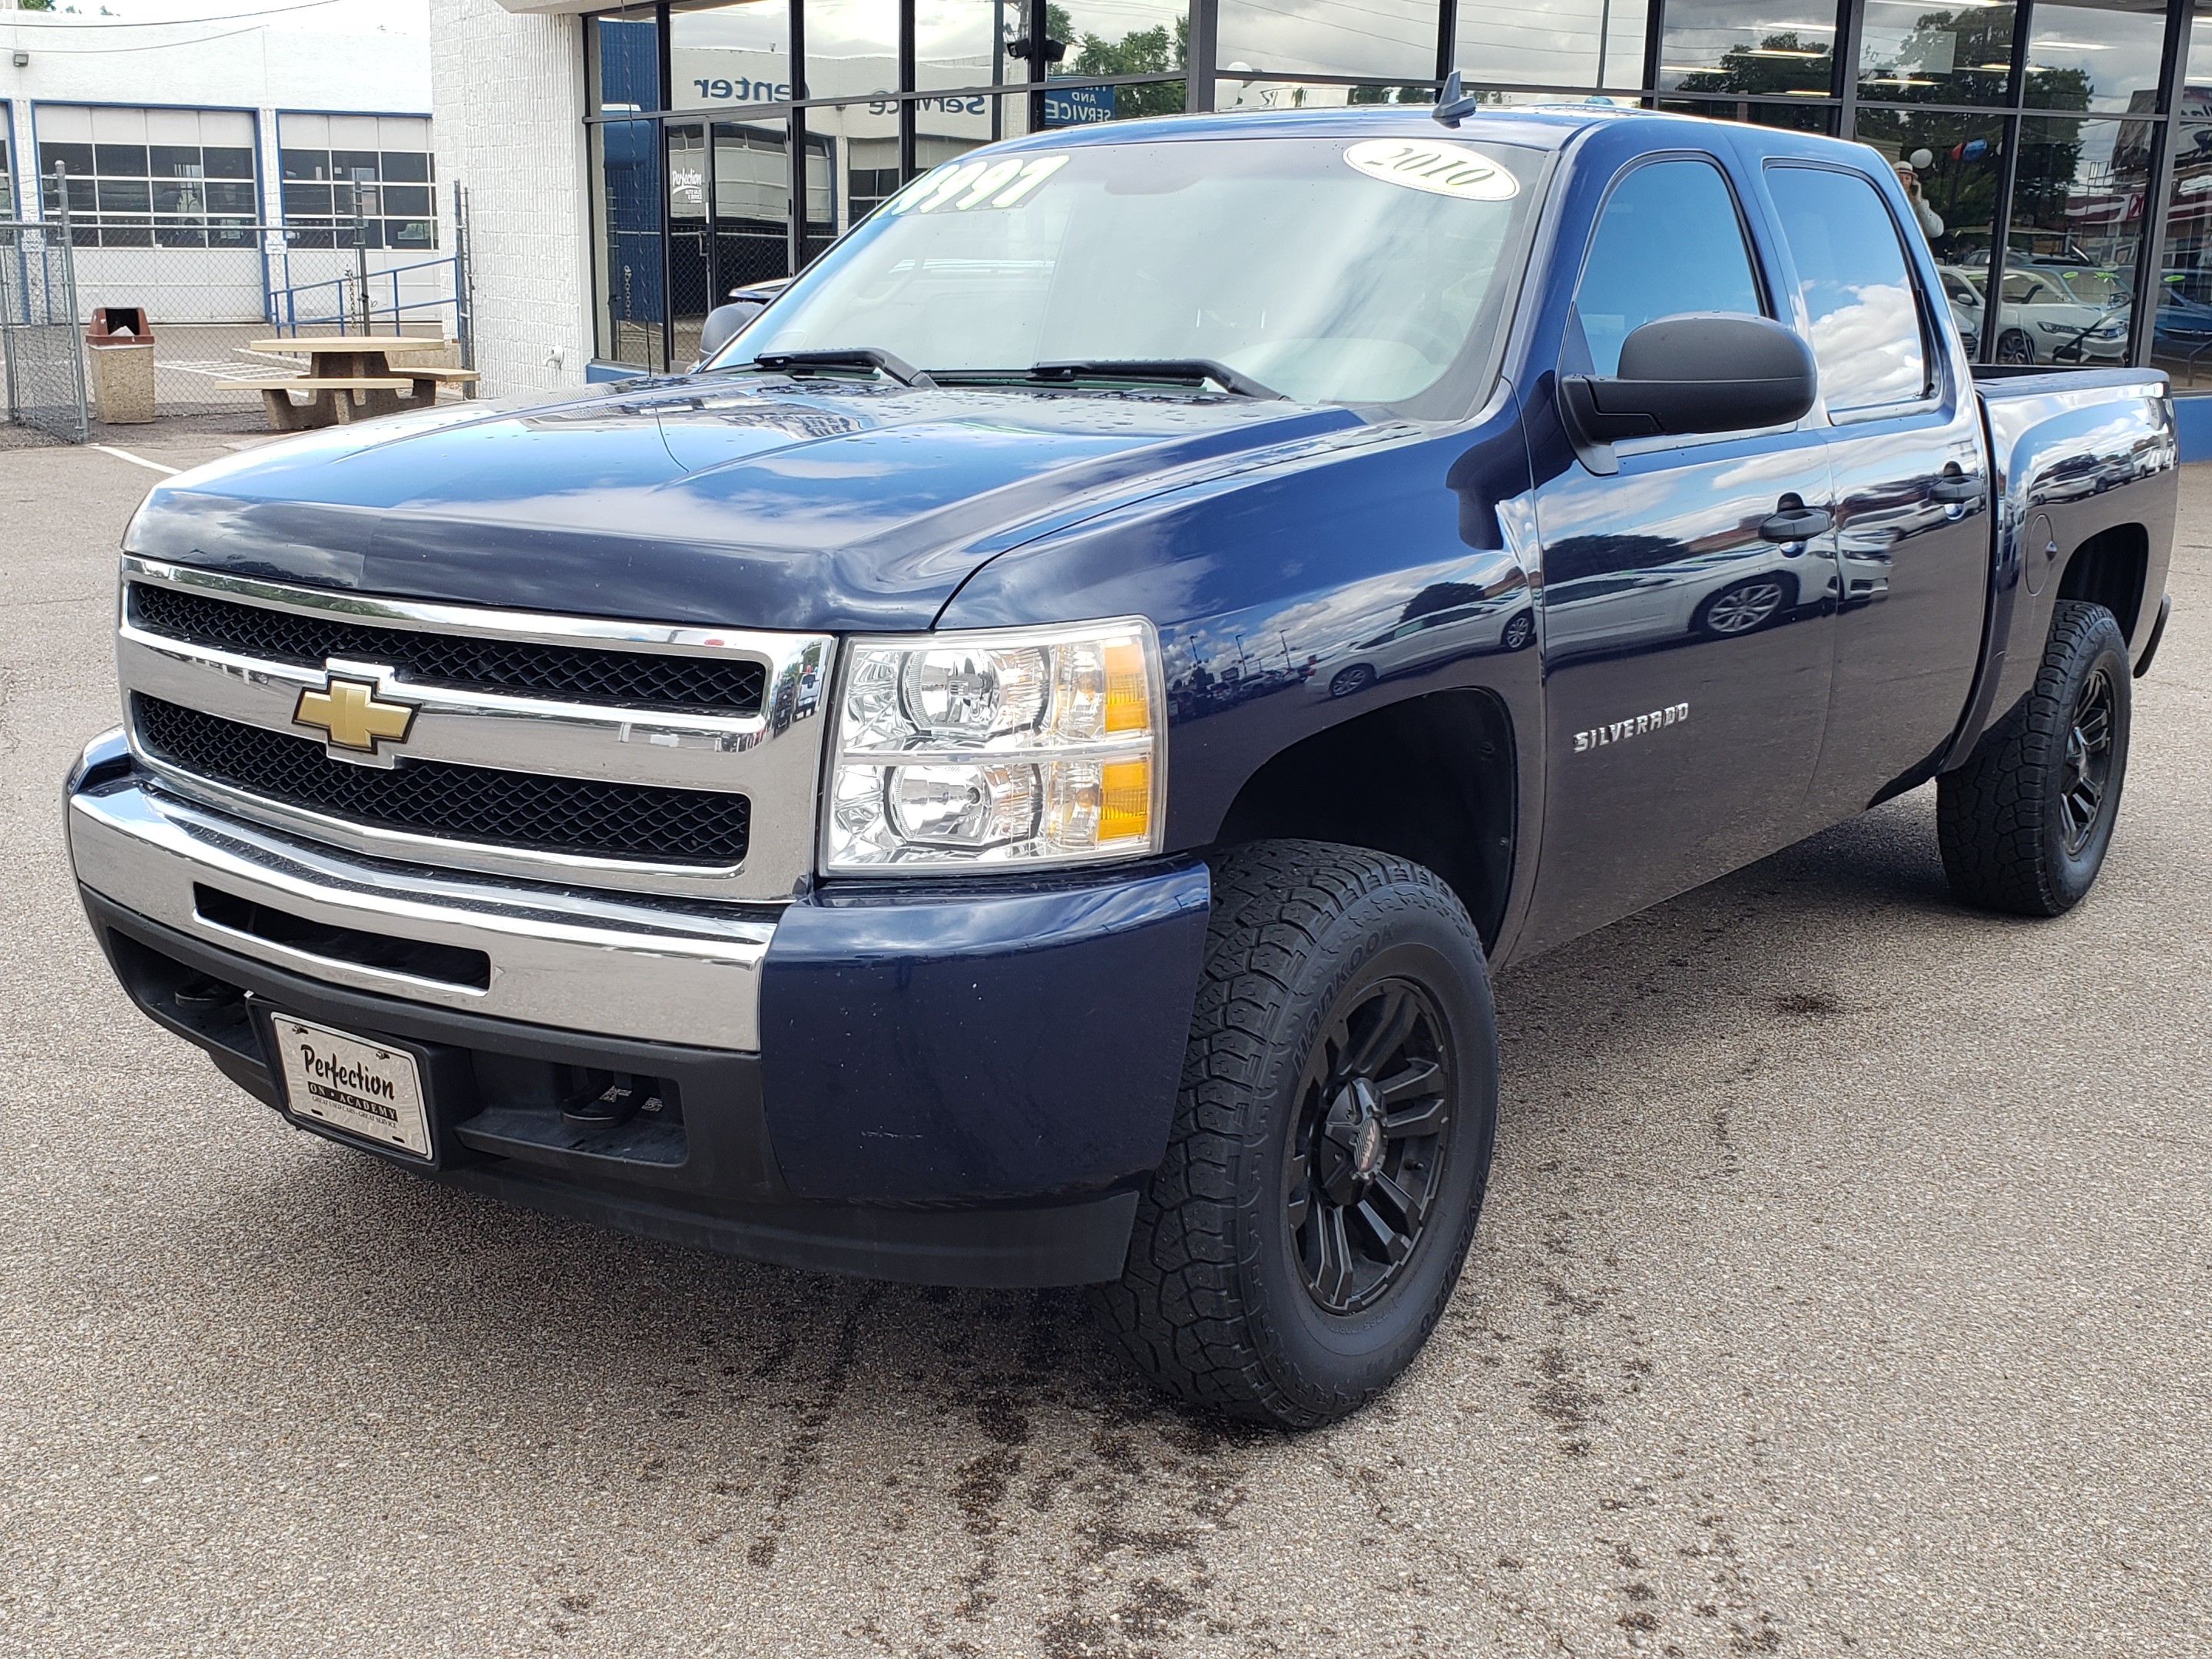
[1668, 240]
[1856, 285]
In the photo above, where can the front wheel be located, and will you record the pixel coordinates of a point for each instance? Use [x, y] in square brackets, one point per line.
[1331, 1143]
[2024, 826]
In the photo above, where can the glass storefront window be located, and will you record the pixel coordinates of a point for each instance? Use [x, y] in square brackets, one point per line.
[1910, 53]
[2070, 264]
[1382, 38]
[971, 43]
[683, 213]
[2099, 56]
[626, 263]
[1123, 37]
[1757, 48]
[1072, 104]
[1565, 43]
[726, 56]
[1242, 94]
[851, 47]
[1794, 117]
[963, 43]
[2181, 335]
[947, 127]
[1956, 163]
[622, 69]
[859, 149]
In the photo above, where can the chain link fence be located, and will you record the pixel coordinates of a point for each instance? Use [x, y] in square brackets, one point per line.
[214, 295]
[39, 332]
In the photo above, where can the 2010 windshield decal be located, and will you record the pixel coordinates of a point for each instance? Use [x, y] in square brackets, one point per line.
[964, 185]
[1438, 166]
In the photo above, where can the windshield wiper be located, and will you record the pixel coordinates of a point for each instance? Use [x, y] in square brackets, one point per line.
[883, 362]
[1178, 371]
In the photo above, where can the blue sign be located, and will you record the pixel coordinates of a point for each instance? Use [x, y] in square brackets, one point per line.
[1077, 106]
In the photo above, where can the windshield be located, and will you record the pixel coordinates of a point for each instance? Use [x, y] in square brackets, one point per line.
[1330, 270]
[2096, 288]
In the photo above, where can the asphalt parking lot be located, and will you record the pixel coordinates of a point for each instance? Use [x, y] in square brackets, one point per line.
[1845, 1287]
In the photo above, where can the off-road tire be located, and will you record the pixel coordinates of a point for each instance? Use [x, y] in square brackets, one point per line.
[2000, 819]
[1213, 1303]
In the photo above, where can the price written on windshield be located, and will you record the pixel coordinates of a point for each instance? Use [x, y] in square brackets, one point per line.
[972, 185]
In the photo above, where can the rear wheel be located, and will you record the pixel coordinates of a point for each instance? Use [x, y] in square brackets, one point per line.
[1331, 1143]
[2014, 347]
[2025, 825]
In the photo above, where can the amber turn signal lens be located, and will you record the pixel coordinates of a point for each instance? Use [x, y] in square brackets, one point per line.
[1128, 691]
[1125, 806]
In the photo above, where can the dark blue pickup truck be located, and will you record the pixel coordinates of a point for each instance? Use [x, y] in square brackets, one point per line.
[1018, 770]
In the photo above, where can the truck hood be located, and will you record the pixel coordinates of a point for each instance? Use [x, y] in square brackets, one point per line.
[747, 501]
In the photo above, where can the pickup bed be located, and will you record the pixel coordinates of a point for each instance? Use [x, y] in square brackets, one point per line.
[1019, 769]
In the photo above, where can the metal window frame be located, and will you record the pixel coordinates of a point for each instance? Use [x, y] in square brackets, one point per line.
[1201, 71]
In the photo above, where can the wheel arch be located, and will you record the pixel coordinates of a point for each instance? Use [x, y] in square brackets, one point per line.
[1433, 779]
[2111, 569]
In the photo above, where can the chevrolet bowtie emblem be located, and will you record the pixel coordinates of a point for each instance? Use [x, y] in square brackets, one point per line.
[351, 714]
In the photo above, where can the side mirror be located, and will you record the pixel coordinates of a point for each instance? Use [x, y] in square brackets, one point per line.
[723, 324]
[1710, 371]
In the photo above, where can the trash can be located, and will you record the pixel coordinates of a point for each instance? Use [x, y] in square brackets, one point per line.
[121, 347]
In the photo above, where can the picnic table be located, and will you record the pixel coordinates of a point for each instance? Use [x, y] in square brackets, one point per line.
[344, 367]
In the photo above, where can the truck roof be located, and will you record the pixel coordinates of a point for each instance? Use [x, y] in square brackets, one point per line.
[1536, 127]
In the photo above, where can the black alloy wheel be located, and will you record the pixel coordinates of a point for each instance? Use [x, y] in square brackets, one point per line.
[2088, 762]
[1331, 1138]
[1366, 1152]
[2014, 347]
[2024, 823]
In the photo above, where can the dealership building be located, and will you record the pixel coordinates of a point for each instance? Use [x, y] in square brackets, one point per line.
[654, 156]
[626, 168]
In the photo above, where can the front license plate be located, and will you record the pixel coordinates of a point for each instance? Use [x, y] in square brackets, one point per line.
[374, 1092]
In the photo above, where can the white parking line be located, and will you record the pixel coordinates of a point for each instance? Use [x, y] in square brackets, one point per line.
[136, 460]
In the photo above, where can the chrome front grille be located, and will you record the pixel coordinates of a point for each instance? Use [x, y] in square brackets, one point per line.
[466, 662]
[582, 816]
[614, 755]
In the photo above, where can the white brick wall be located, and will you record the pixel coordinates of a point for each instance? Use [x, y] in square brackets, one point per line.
[507, 97]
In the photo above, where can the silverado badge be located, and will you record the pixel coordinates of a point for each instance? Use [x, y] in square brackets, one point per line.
[350, 714]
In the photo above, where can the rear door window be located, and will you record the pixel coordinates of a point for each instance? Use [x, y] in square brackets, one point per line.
[1857, 288]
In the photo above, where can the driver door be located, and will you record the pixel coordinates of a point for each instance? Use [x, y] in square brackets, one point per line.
[1687, 601]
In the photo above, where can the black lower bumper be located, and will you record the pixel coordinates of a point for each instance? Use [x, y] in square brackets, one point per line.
[704, 1174]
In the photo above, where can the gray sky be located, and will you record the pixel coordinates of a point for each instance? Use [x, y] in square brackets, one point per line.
[345, 16]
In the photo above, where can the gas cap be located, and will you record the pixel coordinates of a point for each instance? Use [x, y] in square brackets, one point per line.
[2039, 552]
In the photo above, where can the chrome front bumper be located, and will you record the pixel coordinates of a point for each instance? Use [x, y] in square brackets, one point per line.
[577, 960]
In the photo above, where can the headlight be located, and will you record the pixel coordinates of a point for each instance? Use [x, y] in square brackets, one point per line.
[1011, 747]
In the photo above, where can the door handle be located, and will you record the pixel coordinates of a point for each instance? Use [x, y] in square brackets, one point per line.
[1953, 487]
[1796, 524]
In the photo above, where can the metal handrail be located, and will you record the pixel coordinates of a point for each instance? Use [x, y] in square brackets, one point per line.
[285, 307]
